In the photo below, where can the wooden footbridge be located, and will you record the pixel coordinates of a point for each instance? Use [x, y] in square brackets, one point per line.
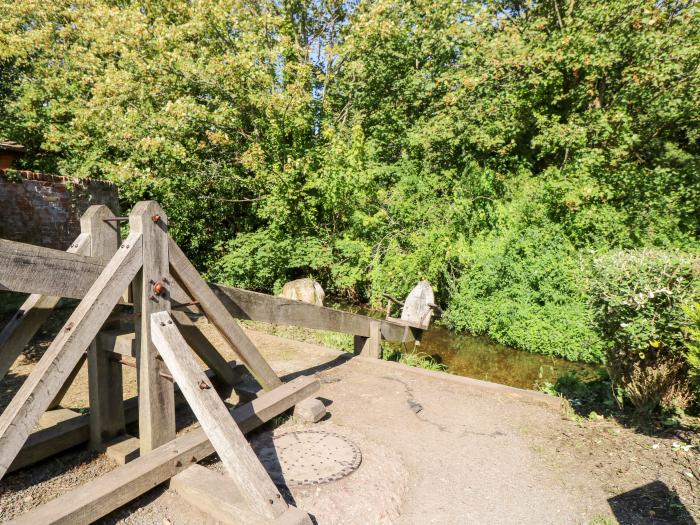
[137, 297]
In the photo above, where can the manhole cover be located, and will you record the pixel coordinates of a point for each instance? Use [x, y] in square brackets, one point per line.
[307, 457]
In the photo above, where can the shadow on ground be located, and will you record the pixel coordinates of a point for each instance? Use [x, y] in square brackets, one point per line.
[650, 504]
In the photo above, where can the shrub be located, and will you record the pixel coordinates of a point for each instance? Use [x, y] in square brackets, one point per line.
[525, 289]
[638, 298]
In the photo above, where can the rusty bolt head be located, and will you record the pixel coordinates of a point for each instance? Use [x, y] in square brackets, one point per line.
[155, 218]
[158, 288]
[203, 385]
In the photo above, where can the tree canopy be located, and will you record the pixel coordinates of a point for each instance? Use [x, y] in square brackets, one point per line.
[493, 147]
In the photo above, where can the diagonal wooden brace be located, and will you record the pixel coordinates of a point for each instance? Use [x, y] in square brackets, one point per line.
[236, 454]
[217, 314]
[42, 385]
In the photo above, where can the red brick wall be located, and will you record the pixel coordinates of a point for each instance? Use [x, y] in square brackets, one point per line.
[42, 209]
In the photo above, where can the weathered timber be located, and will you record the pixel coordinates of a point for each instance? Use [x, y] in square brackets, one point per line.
[235, 452]
[44, 382]
[220, 502]
[370, 346]
[119, 486]
[32, 269]
[64, 429]
[221, 318]
[35, 310]
[156, 394]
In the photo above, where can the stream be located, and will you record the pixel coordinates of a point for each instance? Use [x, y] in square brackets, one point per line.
[481, 358]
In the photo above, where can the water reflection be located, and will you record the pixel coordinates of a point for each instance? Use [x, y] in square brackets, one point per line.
[481, 358]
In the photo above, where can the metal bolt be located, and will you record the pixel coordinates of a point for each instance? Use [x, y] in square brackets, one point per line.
[68, 327]
[271, 502]
[203, 385]
[162, 324]
[178, 463]
[158, 288]
[155, 218]
[193, 459]
[169, 321]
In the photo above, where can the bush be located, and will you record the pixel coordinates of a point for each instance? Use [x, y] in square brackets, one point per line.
[639, 299]
[525, 289]
[693, 345]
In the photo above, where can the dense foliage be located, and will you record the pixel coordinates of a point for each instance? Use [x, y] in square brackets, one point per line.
[641, 302]
[494, 148]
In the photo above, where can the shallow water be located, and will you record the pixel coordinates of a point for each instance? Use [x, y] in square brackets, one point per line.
[481, 358]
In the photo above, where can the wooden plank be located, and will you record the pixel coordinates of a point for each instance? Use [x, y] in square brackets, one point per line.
[102, 495]
[35, 394]
[33, 269]
[220, 502]
[217, 314]
[204, 349]
[370, 346]
[251, 478]
[63, 429]
[156, 394]
[245, 304]
[31, 315]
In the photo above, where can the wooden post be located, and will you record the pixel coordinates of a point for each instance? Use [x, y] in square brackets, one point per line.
[104, 376]
[31, 315]
[370, 346]
[103, 243]
[42, 385]
[151, 294]
[235, 453]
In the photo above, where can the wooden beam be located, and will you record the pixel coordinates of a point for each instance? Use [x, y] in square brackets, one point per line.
[32, 269]
[31, 315]
[241, 304]
[35, 394]
[156, 394]
[102, 495]
[245, 304]
[217, 314]
[204, 349]
[235, 452]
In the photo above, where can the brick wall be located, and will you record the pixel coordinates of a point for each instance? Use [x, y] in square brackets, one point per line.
[42, 209]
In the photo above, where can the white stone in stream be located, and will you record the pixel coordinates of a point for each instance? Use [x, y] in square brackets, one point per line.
[305, 290]
[310, 410]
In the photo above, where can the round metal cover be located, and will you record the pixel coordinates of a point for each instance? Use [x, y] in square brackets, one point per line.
[308, 457]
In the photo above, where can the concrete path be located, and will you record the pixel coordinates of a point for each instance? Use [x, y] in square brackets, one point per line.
[471, 450]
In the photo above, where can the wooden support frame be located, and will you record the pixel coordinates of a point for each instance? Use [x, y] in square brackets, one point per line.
[163, 355]
[234, 451]
[25, 409]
